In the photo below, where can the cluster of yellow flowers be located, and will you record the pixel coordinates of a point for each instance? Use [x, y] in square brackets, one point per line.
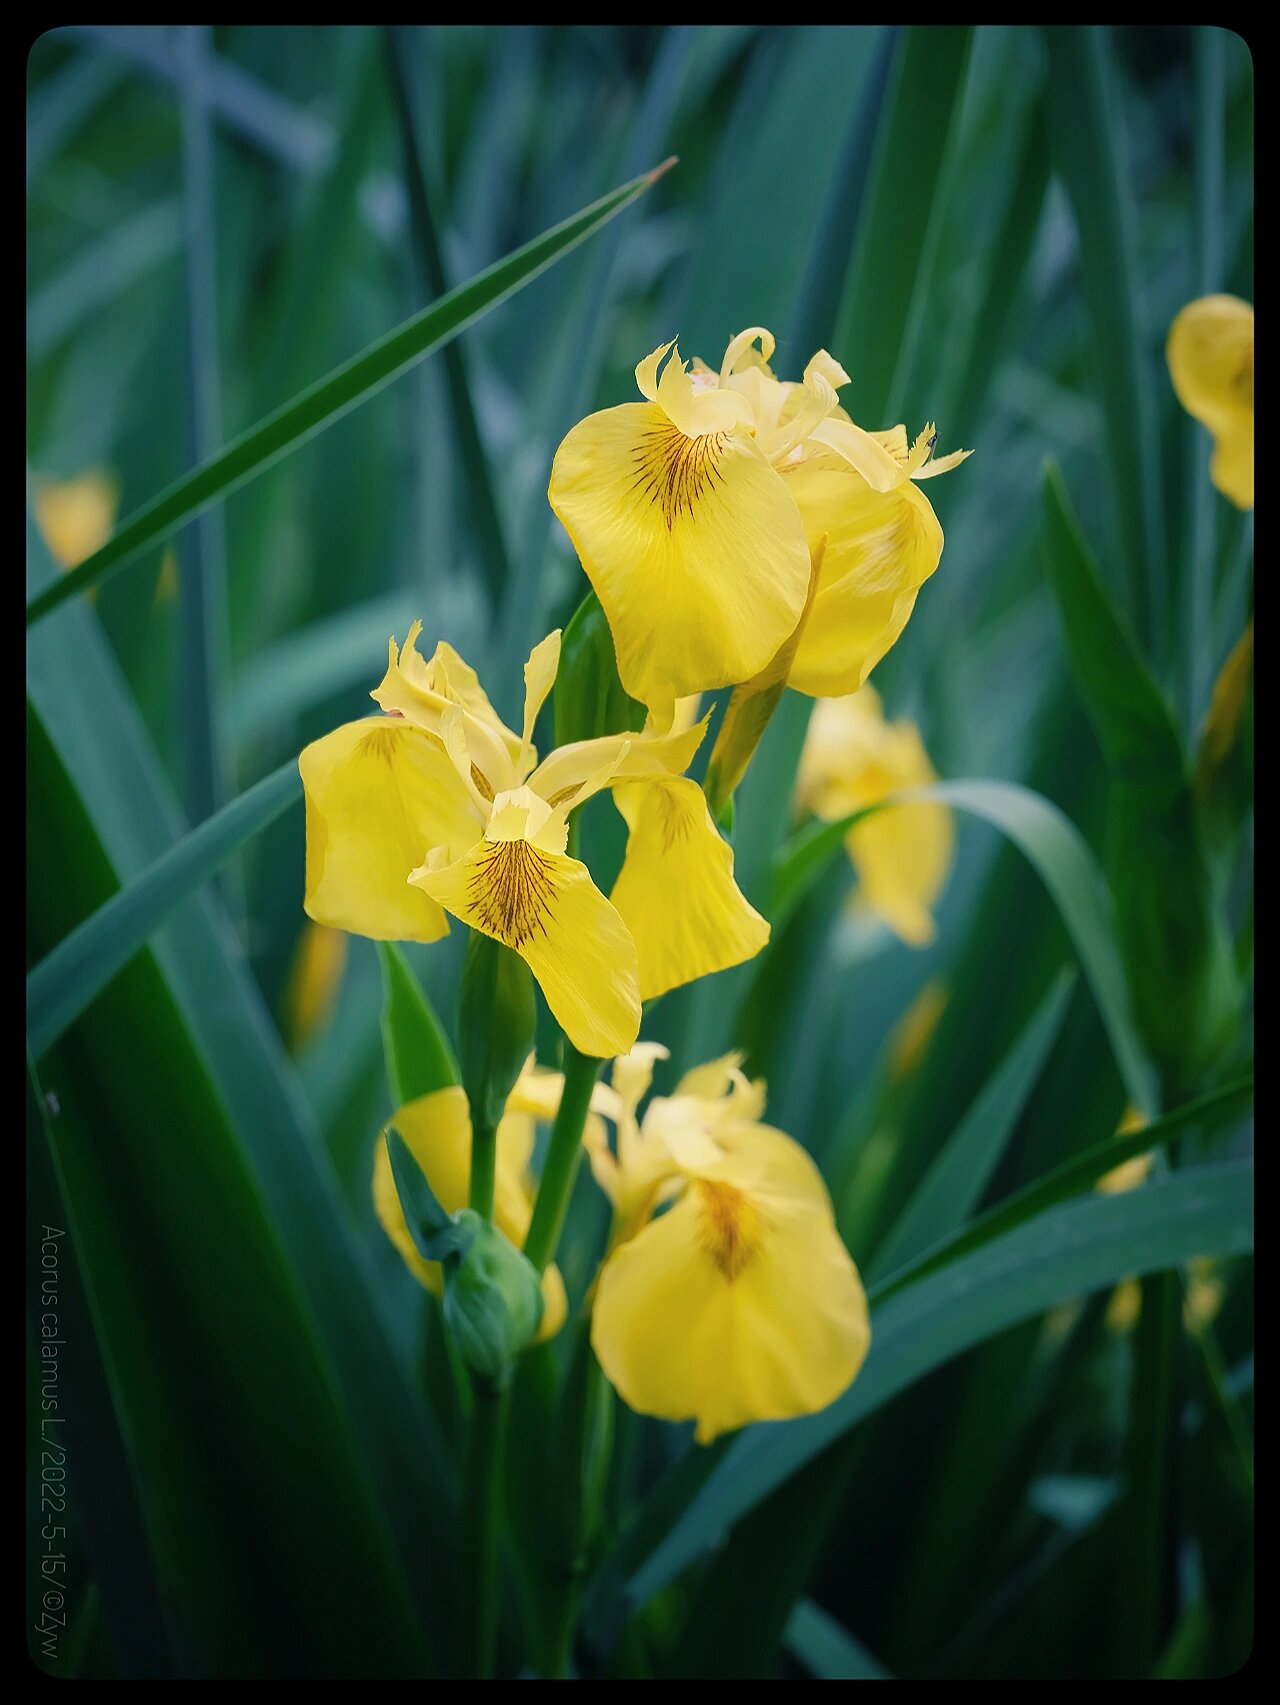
[740, 531]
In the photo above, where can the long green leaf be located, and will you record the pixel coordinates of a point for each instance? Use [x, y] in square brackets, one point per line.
[954, 1184]
[67, 980]
[1074, 1248]
[335, 395]
[418, 1055]
[1205, 1115]
[829, 1651]
[1175, 947]
[1065, 865]
[1091, 157]
[884, 297]
[486, 520]
[213, 1226]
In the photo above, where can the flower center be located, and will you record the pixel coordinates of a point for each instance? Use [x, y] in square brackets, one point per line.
[675, 471]
[511, 891]
[729, 1225]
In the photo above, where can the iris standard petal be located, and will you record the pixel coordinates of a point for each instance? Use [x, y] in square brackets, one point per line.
[676, 892]
[380, 793]
[546, 907]
[421, 691]
[693, 544]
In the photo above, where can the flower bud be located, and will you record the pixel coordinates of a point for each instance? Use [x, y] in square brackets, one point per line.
[492, 1297]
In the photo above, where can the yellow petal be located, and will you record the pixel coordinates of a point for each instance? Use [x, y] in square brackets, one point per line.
[437, 1130]
[76, 516]
[539, 678]
[422, 692]
[739, 1304]
[1231, 465]
[1210, 354]
[853, 757]
[1127, 1176]
[676, 892]
[740, 345]
[547, 908]
[693, 545]
[881, 548]
[380, 794]
[903, 857]
[860, 451]
[314, 980]
[563, 776]
[723, 1081]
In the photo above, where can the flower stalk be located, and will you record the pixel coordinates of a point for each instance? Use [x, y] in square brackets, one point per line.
[564, 1151]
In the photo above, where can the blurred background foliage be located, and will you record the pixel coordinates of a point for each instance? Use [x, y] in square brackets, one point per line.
[991, 228]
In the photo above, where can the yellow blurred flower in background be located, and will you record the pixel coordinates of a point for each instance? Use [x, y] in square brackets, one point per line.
[853, 757]
[315, 977]
[739, 1302]
[1210, 354]
[76, 516]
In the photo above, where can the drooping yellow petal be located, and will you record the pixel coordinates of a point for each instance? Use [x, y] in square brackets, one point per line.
[1210, 354]
[437, 1131]
[676, 892]
[546, 907]
[380, 794]
[739, 1304]
[881, 548]
[693, 544]
[422, 691]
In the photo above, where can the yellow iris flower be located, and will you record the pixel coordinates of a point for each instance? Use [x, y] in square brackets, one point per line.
[853, 757]
[76, 516]
[1210, 355]
[437, 1131]
[738, 1303]
[697, 512]
[437, 807]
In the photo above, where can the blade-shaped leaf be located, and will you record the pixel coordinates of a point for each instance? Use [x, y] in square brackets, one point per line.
[333, 396]
[1091, 157]
[80, 966]
[1175, 947]
[826, 1649]
[418, 1054]
[954, 1184]
[1051, 843]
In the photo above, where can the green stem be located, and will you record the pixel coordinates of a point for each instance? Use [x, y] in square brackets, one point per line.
[481, 1521]
[484, 1162]
[563, 1154]
[588, 1433]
